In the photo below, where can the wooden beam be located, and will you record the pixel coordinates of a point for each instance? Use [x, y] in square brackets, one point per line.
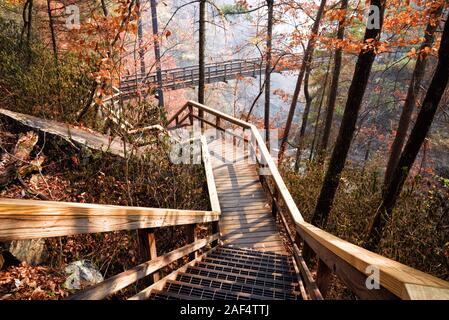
[124, 279]
[350, 263]
[31, 219]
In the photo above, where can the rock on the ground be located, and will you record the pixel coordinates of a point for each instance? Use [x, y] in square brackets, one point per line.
[81, 274]
[31, 251]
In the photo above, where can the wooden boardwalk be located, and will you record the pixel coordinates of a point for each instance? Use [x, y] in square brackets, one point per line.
[246, 219]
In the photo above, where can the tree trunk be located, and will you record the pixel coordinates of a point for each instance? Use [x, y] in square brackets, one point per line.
[268, 72]
[305, 62]
[317, 121]
[305, 117]
[140, 38]
[104, 8]
[332, 98]
[355, 96]
[417, 136]
[52, 31]
[201, 49]
[413, 89]
[157, 55]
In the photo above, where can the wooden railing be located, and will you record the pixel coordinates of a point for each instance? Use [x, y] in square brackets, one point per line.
[350, 263]
[28, 219]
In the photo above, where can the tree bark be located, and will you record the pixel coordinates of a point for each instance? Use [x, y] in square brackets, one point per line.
[417, 136]
[305, 117]
[332, 98]
[320, 107]
[52, 31]
[270, 4]
[201, 58]
[104, 8]
[355, 96]
[305, 62]
[140, 38]
[413, 89]
[157, 55]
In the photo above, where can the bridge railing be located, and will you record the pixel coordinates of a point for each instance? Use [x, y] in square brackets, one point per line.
[352, 264]
[31, 219]
[189, 76]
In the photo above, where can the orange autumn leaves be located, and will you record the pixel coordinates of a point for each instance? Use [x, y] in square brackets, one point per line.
[403, 24]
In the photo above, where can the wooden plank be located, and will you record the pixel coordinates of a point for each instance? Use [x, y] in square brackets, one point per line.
[93, 140]
[124, 279]
[247, 218]
[256, 239]
[30, 219]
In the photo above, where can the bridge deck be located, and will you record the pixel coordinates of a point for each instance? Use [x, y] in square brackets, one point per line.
[246, 219]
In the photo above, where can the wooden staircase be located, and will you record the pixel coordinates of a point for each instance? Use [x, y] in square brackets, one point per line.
[244, 255]
[235, 274]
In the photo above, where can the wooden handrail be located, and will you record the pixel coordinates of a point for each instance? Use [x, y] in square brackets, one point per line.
[124, 279]
[396, 279]
[213, 194]
[29, 219]
[403, 281]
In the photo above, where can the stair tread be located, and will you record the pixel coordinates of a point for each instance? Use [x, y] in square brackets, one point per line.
[249, 279]
[207, 292]
[234, 286]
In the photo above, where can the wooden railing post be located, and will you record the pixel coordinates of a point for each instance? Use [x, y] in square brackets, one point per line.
[217, 123]
[191, 115]
[191, 238]
[215, 229]
[323, 278]
[274, 203]
[147, 241]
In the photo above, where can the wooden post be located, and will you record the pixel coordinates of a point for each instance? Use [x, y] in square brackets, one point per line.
[274, 202]
[217, 123]
[191, 115]
[215, 229]
[191, 238]
[148, 250]
[323, 280]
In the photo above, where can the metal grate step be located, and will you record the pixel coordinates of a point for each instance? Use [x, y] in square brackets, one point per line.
[241, 271]
[251, 280]
[277, 266]
[234, 274]
[255, 291]
[206, 293]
